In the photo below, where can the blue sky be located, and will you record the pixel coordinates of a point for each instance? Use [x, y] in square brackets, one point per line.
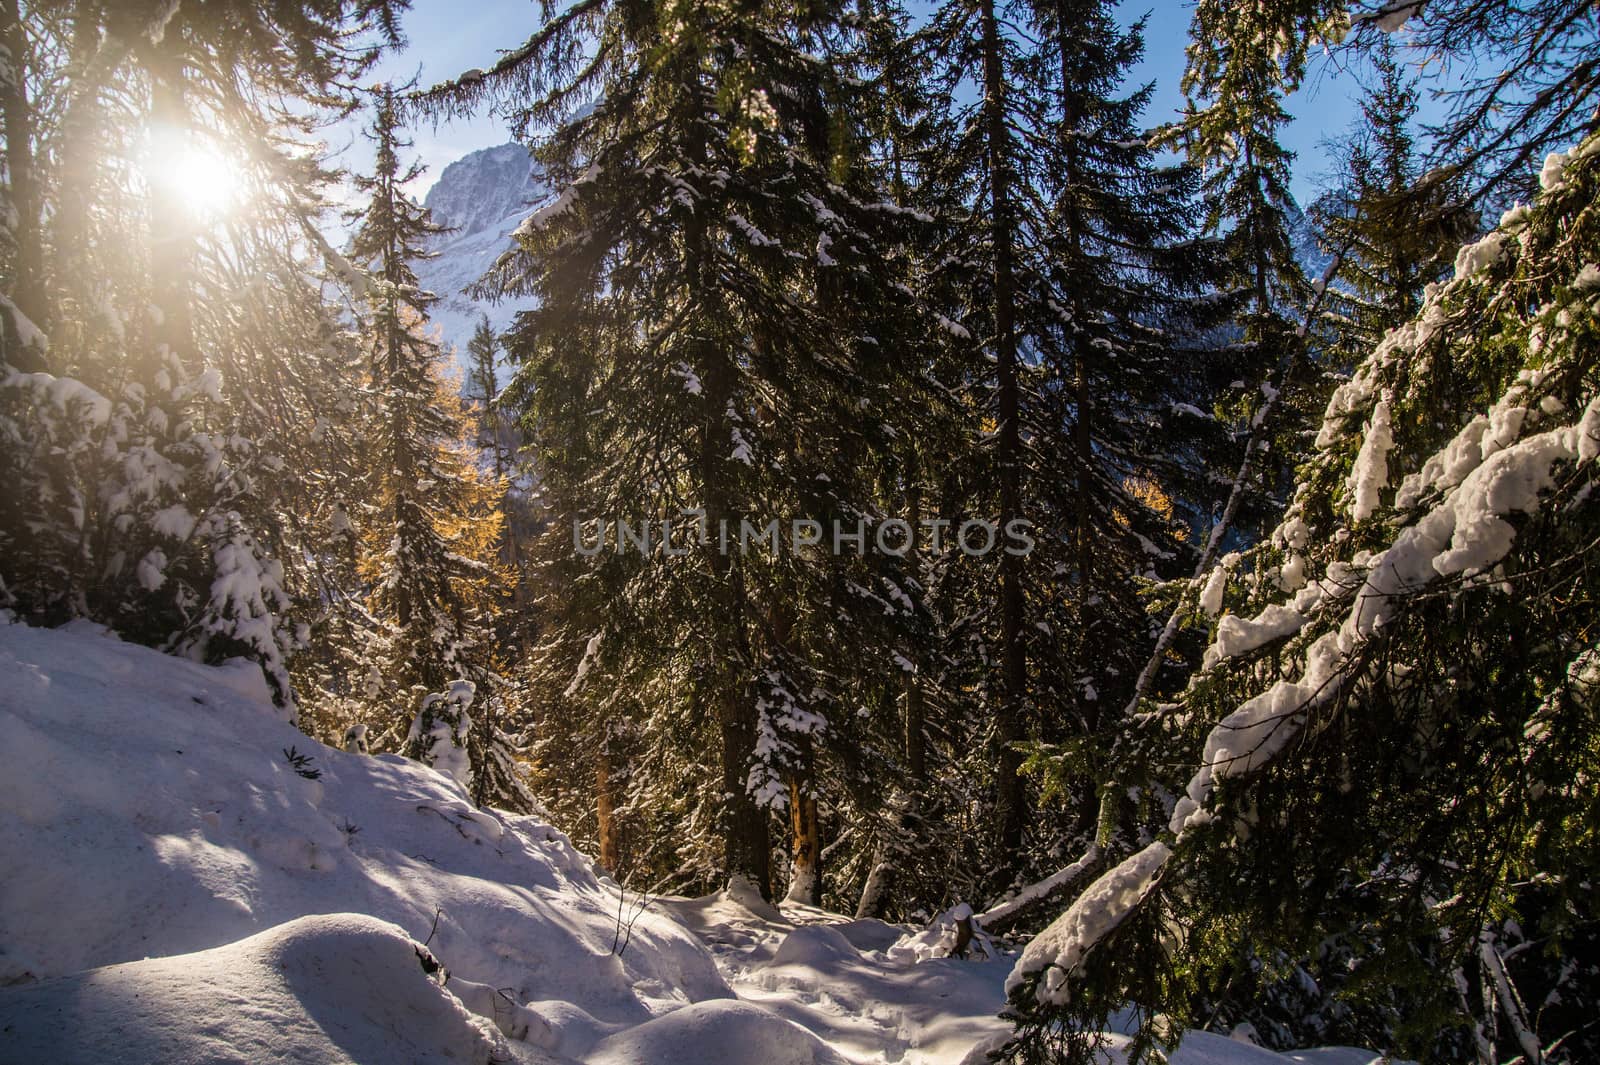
[448, 36]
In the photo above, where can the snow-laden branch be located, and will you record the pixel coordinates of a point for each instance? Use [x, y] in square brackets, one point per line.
[1488, 472]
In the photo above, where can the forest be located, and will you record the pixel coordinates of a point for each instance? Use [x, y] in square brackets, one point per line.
[926, 486]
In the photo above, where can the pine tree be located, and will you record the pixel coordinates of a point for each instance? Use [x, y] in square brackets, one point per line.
[432, 662]
[1130, 379]
[989, 164]
[1397, 230]
[146, 502]
[1240, 66]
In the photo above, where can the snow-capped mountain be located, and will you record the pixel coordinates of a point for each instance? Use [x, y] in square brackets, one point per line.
[482, 197]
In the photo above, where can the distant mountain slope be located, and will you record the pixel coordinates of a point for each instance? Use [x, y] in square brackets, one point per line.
[482, 197]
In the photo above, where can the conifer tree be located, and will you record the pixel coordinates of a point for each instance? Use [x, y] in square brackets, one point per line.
[1397, 230]
[711, 281]
[150, 504]
[431, 662]
[989, 164]
[1239, 70]
[1392, 734]
[1130, 376]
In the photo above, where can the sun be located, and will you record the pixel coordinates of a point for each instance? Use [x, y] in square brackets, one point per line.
[207, 180]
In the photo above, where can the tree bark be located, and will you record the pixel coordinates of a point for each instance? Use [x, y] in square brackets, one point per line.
[16, 111]
[606, 812]
[1010, 796]
[805, 880]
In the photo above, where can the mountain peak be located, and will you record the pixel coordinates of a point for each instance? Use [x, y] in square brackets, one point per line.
[482, 197]
[478, 191]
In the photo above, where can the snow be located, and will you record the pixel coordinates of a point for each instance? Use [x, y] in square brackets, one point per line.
[65, 394]
[1480, 256]
[741, 448]
[691, 380]
[1238, 635]
[1552, 176]
[1064, 944]
[716, 1033]
[483, 197]
[1371, 471]
[756, 238]
[168, 780]
[1060, 878]
[29, 335]
[586, 663]
[1391, 17]
[374, 914]
[1211, 594]
[343, 987]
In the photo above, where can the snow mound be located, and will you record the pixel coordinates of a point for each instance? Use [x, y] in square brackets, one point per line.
[153, 810]
[334, 988]
[716, 1033]
[816, 945]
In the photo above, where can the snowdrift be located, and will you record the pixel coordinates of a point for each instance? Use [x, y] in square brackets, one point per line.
[333, 988]
[151, 811]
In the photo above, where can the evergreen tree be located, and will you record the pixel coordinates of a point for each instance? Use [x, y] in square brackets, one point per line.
[1239, 69]
[1130, 377]
[433, 524]
[147, 502]
[1392, 735]
[712, 281]
[990, 163]
[1397, 232]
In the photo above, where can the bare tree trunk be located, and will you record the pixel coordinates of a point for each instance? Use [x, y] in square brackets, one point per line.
[805, 879]
[606, 812]
[876, 890]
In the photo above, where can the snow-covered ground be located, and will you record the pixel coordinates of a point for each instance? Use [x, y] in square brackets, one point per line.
[173, 890]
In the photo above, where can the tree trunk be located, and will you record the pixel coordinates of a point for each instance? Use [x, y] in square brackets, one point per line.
[805, 879]
[1083, 429]
[606, 812]
[80, 163]
[746, 845]
[16, 111]
[1009, 793]
[876, 890]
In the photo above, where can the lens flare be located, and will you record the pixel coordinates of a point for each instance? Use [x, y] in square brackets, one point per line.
[197, 172]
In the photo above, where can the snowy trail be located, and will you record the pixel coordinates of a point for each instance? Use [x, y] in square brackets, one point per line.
[845, 982]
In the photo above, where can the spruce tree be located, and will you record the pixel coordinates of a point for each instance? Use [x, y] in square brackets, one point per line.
[149, 504]
[989, 164]
[432, 664]
[1397, 230]
[711, 280]
[1130, 375]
